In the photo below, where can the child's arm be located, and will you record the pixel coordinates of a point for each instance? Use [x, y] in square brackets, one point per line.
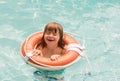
[37, 52]
[56, 56]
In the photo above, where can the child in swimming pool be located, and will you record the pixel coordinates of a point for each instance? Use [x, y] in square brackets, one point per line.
[51, 44]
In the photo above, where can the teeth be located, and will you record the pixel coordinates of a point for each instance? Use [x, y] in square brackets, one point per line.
[50, 39]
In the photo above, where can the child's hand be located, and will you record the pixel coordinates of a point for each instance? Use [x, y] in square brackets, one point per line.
[54, 57]
[37, 52]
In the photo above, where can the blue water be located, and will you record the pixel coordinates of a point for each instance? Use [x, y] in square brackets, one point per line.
[92, 22]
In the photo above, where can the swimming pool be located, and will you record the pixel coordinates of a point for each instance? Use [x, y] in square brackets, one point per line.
[92, 22]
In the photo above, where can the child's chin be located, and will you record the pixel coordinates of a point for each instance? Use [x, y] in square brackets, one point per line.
[50, 42]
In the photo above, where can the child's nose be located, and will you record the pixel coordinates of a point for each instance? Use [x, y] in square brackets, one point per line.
[51, 34]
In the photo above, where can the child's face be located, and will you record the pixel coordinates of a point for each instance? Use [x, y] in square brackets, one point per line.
[51, 38]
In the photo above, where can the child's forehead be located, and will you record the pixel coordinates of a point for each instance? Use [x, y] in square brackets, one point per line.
[52, 29]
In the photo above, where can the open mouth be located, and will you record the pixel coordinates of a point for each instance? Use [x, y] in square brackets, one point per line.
[50, 39]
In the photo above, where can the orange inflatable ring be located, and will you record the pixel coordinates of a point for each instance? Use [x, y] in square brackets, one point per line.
[46, 63]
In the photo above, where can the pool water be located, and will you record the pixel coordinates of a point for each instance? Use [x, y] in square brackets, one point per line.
[94, 23]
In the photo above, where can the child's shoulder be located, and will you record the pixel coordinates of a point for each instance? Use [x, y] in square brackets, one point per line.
[64, 49]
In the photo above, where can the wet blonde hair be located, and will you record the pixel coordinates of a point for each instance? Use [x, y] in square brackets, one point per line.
[54, 28]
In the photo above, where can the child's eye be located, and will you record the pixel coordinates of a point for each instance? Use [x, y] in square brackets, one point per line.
[54, 34]
[47, 33]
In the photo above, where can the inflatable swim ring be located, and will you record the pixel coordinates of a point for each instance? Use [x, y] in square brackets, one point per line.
[73, 53]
